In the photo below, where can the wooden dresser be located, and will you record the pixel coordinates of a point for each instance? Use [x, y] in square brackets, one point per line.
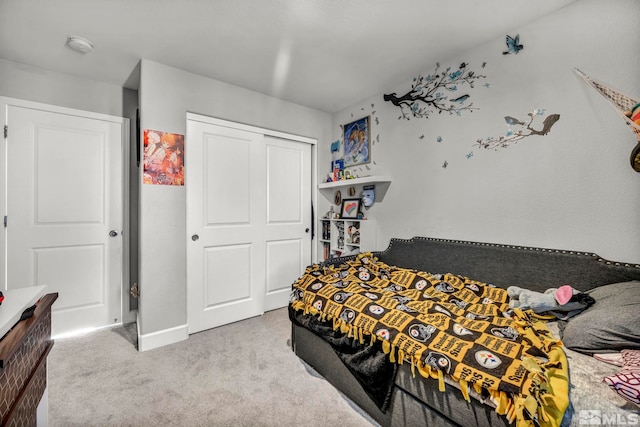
[23, 365]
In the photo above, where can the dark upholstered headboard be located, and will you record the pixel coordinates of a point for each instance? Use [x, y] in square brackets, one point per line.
[504, 265]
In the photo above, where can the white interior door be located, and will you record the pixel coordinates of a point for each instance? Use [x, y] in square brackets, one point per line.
[246, 221]
[288, 221]
[64, 211]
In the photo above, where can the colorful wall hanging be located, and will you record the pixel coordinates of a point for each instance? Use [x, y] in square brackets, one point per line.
[441, 91]
[520, 129]
[625, 106]
[163, 158]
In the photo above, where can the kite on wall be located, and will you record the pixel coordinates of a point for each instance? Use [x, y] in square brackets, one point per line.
[163, 158]
[440, 91]
[513, 45]
[519, 129]
[628, 108]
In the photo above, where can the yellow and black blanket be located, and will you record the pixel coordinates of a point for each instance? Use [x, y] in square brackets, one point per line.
[445, 325]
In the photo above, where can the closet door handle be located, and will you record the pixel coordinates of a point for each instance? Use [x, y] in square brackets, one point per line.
[113, 233]
[195, 237]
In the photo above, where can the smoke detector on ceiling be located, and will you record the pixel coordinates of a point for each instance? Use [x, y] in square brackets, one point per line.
[79, 44]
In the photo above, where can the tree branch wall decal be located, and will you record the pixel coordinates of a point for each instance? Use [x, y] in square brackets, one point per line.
[519, 129]
[441, 91]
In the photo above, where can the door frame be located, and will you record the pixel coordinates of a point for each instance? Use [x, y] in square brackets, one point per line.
[5, 103]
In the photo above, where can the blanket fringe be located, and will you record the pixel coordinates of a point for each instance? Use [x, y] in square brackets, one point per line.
[464, 388]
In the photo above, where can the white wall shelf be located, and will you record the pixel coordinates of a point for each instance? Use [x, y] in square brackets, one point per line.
[381, 182]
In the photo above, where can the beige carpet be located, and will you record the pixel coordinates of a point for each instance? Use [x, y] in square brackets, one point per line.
[243, 374]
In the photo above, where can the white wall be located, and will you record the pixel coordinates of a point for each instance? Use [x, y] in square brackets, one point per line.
[166, 95]
[49, 87]
[571, 189]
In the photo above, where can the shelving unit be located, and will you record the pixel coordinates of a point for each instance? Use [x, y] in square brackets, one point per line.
[341, 237]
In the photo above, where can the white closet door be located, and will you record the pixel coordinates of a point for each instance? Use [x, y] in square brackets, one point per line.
[288, 221]
[225, 257]
[248, 220]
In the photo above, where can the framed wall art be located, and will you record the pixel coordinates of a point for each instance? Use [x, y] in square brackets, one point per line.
[163, 160]
[357, 142]
[350, 208]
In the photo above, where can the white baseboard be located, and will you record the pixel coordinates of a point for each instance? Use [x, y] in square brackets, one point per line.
[162, 338]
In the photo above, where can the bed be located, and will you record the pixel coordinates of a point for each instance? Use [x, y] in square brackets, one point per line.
[363, 368]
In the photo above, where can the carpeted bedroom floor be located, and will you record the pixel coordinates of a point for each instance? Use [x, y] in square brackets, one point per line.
[243, 374]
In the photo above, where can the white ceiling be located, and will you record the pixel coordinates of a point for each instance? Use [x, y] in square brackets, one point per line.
[325, 54]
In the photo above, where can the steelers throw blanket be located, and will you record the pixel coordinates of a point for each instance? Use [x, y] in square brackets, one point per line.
[445, 325]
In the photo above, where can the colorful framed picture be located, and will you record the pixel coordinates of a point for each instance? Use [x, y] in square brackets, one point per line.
[357, 142]
[350, 208]
[163, 161]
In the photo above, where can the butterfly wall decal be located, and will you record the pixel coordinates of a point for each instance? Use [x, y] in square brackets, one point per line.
[513, 45]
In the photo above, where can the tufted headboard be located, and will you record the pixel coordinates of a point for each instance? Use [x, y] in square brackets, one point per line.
[504, 265]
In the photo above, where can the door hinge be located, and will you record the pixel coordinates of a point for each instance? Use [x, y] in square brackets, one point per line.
[5, 221]
[6, 130]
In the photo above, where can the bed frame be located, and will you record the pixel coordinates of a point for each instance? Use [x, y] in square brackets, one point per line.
[419, 402]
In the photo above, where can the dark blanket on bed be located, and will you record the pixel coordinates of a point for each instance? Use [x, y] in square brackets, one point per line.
[367, 363]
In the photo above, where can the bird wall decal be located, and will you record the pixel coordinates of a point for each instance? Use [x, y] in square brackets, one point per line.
[513, 45]
[460, 99]
[512, 121]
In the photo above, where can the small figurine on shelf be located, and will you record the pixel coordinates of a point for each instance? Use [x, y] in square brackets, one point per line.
[330, 213]
[337, 166]
[354, 234]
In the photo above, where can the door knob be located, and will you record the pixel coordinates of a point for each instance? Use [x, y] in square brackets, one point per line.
[113, 233]
[195, 237]
[306, 230]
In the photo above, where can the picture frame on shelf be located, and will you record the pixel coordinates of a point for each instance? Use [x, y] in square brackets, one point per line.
[357, 142]
[350, 208]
